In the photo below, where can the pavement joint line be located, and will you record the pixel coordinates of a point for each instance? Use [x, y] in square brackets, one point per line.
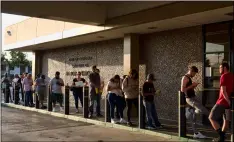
[96, 122]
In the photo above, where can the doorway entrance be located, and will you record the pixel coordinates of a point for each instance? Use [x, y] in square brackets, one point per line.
[218, 48]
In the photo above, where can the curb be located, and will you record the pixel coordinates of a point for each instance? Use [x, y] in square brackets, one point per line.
[96, 122]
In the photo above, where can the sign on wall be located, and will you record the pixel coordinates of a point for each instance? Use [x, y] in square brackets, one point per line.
[73, 73]
[76, 63]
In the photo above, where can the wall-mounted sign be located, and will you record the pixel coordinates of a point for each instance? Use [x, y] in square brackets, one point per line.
[81, 65]
[80, 59]
[73, 73]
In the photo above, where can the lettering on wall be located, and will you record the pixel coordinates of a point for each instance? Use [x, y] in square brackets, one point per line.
[73, 73]
[83, 59]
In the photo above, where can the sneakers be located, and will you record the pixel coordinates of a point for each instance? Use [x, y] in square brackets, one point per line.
[216, 140]
[61, 109]
[90, 116]
[129, 123]
[150, 128]
[113, 121]
[54, 109]
[199, 136]
[122, 121]
[160, 127]
[77, 111]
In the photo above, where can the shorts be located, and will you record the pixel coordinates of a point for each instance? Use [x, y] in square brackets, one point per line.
[218, 112]
[41, 94]
[57, 97]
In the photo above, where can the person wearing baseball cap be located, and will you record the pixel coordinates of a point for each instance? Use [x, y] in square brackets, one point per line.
[148, 101]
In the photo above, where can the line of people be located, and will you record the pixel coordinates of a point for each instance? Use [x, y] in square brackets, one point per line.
[121, 93]
[124, 92]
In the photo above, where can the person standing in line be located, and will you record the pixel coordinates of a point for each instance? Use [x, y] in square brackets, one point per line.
[16, 85]
[6, 85]
[187, 87]
[56, 91]
[99, 95]
[94, 92]
[148, 101]
[122, 99]
[130, 88]
[102, 81]
[114, 98]
[40, 89]
[22, 76]
[77, 89]
[27, 83]
[222, 107]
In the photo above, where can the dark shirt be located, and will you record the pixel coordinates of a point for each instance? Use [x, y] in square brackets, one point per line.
[77, 90]
[95, 80]
[5, 82]
[190, 93]
[148, 87]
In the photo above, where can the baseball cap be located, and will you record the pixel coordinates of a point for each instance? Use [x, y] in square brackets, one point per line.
[150, 77]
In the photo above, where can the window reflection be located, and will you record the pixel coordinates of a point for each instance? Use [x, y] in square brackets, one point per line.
[217, 51]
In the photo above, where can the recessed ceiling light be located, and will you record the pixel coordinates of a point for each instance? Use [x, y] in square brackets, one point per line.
[229, 14]
[9, 33]
[100, 37]
[151, 28]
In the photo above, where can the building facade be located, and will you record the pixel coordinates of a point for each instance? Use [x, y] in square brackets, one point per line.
[165, 47]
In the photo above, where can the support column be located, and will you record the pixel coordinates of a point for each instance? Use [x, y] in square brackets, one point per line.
[36, 67]
[131, 57]
[131, 52]
[36, 63]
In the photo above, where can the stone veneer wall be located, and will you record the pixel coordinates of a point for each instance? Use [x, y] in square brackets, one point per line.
[168, 55]
[107, 55]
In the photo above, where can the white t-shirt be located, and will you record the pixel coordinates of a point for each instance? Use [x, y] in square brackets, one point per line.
[55, 87]
[118, 92]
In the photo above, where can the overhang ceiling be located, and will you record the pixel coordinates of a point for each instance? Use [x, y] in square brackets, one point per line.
[85, 12]
[110, 14]
[143, 28]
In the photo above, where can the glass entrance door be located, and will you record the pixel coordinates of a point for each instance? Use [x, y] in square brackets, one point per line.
[217, 50]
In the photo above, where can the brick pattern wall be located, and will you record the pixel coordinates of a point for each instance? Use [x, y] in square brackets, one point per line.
[107, 55]
[168, 55]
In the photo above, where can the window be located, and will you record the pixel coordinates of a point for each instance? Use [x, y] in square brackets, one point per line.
[217, 50]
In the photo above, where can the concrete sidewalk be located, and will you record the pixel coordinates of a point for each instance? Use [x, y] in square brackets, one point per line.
[164, 133]
[21, 125]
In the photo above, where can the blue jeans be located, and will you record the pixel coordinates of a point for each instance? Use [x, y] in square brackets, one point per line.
[121, 104]
[151, 113]
[28, 98]
[112, 101]
[76, 97]
[115, 101]
[94, 98]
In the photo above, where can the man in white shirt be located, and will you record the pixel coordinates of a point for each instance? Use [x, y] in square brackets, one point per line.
[27, 84]
[56, 90]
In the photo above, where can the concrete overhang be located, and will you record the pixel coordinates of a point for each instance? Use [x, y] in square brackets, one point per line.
[190, 20]
[72, 11]
[110, 14]
[84, 12]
